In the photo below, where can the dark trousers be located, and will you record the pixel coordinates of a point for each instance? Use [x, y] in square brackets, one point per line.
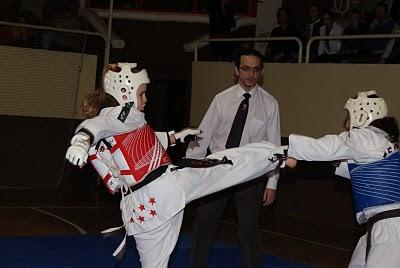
[248, 203]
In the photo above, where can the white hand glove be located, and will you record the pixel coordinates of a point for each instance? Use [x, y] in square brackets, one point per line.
[77, 153]
[181, 135]
[278, 154]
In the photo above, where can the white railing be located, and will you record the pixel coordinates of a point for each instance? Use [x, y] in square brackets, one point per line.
[56, 29]
[340, 37]
[292, 38]
[98, 23]
[259, 39]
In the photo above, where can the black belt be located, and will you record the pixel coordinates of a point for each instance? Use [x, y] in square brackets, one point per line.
[181, 163]
[199, 163]
[154, 174]
[394, 213]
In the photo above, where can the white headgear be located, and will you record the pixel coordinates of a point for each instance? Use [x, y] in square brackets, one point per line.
[123, 85]
[365, 108]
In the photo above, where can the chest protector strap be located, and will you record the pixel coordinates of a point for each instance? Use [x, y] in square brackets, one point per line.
[376, 183]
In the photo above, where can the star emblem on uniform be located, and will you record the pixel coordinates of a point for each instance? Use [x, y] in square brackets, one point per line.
[152, 201]
[141, 219]
[153, 213]
[141, 207]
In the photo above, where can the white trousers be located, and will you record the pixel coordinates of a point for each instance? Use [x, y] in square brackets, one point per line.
[156, 244]
[385, 246]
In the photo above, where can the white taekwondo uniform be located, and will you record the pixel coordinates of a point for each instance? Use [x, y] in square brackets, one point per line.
[376, 191]
[153, 213]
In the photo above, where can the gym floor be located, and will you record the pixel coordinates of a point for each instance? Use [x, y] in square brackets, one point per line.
[90, 209]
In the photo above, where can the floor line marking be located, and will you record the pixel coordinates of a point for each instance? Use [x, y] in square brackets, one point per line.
[295, 238]
[80, 229]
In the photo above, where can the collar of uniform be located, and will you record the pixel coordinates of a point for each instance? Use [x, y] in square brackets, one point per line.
[240, 91]
[135, 116]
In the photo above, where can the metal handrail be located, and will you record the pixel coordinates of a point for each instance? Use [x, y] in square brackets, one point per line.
[56, 29]
[340, 37]
[263, 39]
[101, 27]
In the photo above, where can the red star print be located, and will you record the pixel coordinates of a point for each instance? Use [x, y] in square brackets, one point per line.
[153, 213]
[152, 201]
[131, 220]
[141, 219]
[141, 207]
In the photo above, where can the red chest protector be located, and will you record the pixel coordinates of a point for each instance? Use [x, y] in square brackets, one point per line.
[128, 157]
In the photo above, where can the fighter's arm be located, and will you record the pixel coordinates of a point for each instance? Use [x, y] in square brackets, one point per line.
[103, 126]
[90, 131]
[327, 148]
[170, 138]
[198, 148]
[77, 152]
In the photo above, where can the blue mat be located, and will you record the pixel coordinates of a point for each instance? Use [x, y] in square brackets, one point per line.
[95, 251]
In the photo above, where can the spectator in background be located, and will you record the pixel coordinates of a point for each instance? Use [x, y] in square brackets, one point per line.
[62, 14]
[11, 11]
[355, 50]
[382, 24]
[329, 50]
[24, 36]
[282, 51]
[392, 49]
[222, 22]
[312, 27]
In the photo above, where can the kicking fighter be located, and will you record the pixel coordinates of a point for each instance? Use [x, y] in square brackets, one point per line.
[131, 159]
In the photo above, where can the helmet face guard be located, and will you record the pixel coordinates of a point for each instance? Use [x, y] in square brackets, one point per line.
[366, 108]
[123, 85]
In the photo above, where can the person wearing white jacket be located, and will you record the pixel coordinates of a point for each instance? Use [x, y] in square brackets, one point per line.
[329, 50]
[370, 158]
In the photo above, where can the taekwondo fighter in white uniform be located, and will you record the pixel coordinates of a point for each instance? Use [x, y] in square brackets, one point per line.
[372, 162]
[131, 158]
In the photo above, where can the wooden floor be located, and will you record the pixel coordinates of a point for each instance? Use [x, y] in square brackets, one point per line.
[73, 210]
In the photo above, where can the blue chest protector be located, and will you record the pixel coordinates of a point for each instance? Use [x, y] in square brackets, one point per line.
[376, 183]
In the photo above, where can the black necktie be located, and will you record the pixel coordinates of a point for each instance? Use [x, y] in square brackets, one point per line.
[235, 135]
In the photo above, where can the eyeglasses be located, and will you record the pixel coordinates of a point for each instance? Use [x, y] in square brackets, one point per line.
[248, 69]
